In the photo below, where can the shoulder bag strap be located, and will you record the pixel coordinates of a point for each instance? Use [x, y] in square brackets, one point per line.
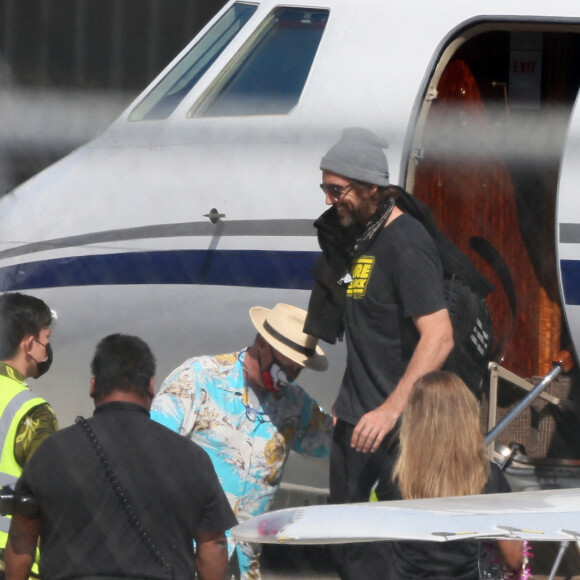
[135, 522]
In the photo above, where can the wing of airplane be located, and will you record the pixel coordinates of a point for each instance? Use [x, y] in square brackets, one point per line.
[552, 515]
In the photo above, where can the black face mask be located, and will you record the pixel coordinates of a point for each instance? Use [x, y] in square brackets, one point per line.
[42, 367]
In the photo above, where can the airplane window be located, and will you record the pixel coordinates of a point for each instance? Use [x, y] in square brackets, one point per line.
[268, 74]
[167, 95]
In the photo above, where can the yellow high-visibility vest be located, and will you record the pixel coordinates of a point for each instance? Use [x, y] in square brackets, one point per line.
[16, 400]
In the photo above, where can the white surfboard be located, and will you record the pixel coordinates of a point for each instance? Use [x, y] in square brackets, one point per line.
[552, 515]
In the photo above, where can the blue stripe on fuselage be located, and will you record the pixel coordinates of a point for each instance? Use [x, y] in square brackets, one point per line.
[570, 270]
[263, 269]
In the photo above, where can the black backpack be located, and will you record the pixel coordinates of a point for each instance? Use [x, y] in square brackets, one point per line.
[465, 291]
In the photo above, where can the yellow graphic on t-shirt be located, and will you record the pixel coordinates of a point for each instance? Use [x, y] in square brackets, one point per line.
[361, 274]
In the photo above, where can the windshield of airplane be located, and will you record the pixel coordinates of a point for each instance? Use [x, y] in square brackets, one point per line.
[269, 72]
[167, 95]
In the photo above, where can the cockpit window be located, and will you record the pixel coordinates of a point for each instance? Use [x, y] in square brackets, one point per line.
[268, 74]
[165, 97]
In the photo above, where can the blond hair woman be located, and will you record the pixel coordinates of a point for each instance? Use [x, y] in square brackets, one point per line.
[441, 455]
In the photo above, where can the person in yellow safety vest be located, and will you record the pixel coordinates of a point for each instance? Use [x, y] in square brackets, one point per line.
[26, 420]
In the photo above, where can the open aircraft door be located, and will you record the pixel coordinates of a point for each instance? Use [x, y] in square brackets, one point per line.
[568, 227]
[485, 153]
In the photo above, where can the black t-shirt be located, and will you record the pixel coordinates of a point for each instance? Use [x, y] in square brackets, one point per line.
[457, 560]
[398, 277]
[169, 481]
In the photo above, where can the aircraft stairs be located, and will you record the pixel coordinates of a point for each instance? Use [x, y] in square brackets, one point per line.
[520, 434]
[520, 437]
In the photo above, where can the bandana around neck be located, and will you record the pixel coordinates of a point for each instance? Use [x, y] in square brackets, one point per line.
[373, 227]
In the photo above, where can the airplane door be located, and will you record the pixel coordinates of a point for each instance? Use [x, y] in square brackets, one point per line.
[568, 226]
[488, 161]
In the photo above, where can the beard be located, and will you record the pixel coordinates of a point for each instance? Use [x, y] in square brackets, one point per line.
[345, 217]
[358, 216]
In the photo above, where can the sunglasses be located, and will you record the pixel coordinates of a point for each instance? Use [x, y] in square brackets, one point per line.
[335, 191]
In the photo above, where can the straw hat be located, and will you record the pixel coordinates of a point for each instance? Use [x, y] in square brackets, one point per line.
[282, 328]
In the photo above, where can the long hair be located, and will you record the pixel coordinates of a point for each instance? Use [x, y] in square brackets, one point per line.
[383, 192]
[441, 443]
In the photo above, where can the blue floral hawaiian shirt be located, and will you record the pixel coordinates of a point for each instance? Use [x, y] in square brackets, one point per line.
[248, 438]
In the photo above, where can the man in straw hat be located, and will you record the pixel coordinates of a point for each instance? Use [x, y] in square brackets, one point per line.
[247, 412]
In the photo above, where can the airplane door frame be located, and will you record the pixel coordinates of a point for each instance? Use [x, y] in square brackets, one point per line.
[534, 260]
[568, 226]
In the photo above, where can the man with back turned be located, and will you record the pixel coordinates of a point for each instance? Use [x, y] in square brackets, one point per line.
[112, 503]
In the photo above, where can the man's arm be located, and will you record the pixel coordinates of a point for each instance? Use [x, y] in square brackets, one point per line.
[435, 344]
[315, 433]
[174, 404]
[211, 556]
[167, 410]
[38, 424]
[21, 547]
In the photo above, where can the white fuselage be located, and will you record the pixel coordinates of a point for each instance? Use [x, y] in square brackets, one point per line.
[115, 237]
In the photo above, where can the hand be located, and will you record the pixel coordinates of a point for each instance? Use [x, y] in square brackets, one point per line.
[373, 427]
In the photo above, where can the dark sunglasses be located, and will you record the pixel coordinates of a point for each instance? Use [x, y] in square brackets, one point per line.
[335, 191]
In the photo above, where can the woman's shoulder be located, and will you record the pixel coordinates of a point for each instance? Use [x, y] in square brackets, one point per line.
[497, 482]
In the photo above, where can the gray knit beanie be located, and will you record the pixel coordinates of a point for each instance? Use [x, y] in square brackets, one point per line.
[358, 155]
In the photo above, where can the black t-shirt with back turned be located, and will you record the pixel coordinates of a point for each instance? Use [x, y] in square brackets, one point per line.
[169, 481]
[397, 278]
[455, 560]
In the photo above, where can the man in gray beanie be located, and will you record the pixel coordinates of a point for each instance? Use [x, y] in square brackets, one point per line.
[380, 280]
